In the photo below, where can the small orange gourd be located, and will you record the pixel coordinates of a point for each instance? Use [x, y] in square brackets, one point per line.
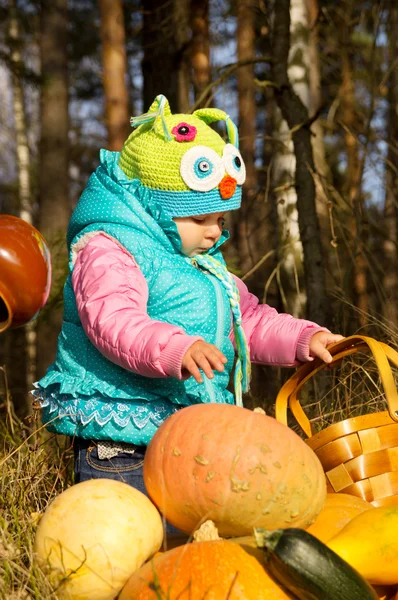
[239, 468]
[339, 509]
[214, 569]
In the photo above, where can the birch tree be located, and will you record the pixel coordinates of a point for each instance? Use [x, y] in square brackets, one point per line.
[304, 225]
[291, 280]
[21, 342]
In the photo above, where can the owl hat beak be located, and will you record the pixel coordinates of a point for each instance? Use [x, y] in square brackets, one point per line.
[227, 187]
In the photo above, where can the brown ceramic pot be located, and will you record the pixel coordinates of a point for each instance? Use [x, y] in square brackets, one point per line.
[25, 272]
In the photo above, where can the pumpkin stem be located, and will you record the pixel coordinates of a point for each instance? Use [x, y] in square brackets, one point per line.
[207, 532]
[267, 539]
[258, 409]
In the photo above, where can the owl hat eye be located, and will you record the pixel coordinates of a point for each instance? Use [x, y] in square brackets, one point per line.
[234, 165]
[202, 168]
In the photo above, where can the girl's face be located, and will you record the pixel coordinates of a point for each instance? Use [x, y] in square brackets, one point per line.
[199, 234]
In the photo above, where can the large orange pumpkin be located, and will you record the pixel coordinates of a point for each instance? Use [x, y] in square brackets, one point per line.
[239, 468]
[212, 570]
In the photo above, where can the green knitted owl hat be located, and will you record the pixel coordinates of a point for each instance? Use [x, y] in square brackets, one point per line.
[188, 167]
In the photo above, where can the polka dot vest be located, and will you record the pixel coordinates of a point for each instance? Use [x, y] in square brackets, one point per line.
[85, 394]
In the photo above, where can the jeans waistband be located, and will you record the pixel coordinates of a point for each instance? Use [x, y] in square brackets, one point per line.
[83, 443]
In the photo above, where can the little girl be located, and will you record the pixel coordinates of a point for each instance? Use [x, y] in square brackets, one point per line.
[152, 317]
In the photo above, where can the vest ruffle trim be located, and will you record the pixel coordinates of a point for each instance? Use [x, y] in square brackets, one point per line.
[55, 383]
[82, 412]
[74, 388]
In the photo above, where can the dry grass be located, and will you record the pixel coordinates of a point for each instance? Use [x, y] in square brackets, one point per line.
[33, 471]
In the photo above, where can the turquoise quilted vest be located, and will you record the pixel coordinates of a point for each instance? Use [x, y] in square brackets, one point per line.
[85, 394]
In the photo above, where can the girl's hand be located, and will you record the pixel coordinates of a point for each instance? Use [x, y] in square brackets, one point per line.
[202, 355]
[320, 341]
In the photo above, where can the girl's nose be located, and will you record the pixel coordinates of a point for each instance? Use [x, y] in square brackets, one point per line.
[213, 232]
[227, 187]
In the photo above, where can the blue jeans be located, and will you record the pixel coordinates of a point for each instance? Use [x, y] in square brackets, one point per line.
[124, 467]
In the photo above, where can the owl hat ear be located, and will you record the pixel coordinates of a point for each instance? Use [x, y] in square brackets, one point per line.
[210, 115]
[160, 108]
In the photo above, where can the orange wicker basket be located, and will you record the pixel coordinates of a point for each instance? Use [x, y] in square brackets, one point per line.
[359, 455]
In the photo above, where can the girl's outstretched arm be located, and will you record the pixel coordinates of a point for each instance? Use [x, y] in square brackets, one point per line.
[111, 295]
[275, 338]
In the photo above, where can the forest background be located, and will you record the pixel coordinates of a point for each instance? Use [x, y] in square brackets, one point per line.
[313, 88]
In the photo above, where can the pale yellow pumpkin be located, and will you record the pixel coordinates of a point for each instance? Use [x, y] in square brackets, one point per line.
[94, 535]
[369, 543]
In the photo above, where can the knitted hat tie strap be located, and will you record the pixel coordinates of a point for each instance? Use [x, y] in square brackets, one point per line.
[243, 366]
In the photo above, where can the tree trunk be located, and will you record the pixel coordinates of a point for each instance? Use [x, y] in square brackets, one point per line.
[21, 342]
[200, 48]
[165, 65]
[322, 175]
[250, 228]
[246, 218]
[358, 274]
[114, 65]
[254, 224]
[296, 115]
[54, 161]
[270, 292]
[390, 308]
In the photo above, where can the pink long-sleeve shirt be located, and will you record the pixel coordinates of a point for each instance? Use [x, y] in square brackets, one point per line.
[112, 294]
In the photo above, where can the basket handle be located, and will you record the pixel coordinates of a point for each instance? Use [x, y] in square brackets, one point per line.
[382, 354]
